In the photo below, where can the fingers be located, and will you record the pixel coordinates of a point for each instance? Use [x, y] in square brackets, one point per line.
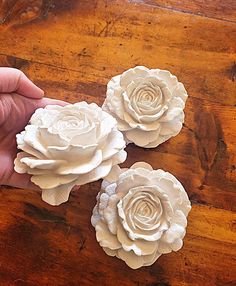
[44, 102]
[49, 101]
[9, 177]
[14, 80]
[22, 181]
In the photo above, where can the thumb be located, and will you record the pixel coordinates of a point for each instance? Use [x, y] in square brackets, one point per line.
[14, 80]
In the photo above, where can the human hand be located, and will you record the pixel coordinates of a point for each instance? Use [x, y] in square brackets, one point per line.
[19, 98]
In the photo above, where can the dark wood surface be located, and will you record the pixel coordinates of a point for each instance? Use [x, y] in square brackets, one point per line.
[71, 49]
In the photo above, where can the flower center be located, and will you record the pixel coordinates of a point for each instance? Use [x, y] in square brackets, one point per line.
[147, 98]
[143, 210]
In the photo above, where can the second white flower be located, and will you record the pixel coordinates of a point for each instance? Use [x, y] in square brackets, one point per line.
[148, 105]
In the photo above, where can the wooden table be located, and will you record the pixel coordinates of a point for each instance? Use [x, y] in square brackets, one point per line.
[71, 49]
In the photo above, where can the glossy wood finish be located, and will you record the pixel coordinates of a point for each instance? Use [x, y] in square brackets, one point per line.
[71, 49]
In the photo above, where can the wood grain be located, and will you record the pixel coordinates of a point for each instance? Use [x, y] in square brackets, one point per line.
[56, 246]
[71, 49]
[220, 10]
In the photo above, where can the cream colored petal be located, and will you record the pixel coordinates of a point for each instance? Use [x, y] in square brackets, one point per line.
[168, 78]
[114, 174]
[109, 251]
[45, 116]
[131, 259]
[138, 246]
[95, 218]
[114, 82]
[176, 107]
[150, 259]
[81, 168]
[143, 165]
[180, 91]
[115, 143]
[158, 141]
[114, 102]
[141, 138]
[58, 195]
[123, 125]
[119, 158]
[164, 247]
[51, 139]
[110, 214]
[31, 151]
[42, 164]
[105, 127]
[105, 238]
[131, 74]
[175, 191]
[174, 232]
[98, 173]
[20, 167]
[177, 244]
[52, 181]
[32, 138]
[132, 180]
[179, 218]
[171, 128]
[73, 152]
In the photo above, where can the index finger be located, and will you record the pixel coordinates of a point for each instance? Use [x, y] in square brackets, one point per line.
[14, 80]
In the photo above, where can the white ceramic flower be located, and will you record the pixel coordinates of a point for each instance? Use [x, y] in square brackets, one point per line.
[68, 146]
[140, 214]
[148, 105]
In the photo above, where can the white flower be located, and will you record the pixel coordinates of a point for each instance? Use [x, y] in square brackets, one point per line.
[140, 214]
[68, 146]
[148, 105]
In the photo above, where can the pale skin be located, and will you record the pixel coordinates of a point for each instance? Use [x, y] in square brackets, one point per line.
[19, 98]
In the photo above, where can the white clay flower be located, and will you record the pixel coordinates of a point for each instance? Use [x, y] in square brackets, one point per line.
[148, 105]
[140, 214]
[67, 146]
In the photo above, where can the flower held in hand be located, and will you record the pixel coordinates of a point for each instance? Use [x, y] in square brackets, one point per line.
[68, 146]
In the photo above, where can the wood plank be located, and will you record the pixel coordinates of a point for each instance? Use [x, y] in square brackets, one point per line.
[57, 246]
[217, 9]
[105, 39]
[202, 156]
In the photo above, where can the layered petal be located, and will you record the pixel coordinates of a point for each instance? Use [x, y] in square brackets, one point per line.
[148, 105]
[140, 214]
[66, 146]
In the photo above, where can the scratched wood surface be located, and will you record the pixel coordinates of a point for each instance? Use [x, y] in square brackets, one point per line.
[71, 49]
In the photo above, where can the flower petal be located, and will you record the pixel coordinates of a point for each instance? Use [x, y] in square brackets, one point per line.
[177, 244]
[164, 247]
[58, 195]
[139, 246]
[131, 74]
[105, 238]
[150, 259]
[140, 137]
[131, 259]
[119, 158]
[174, 232]
[115, 143]
[52, 181]
[142, 165]
[109, 251]
[33, 162]
[97, 173]
[19, 166]
[83, 167]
